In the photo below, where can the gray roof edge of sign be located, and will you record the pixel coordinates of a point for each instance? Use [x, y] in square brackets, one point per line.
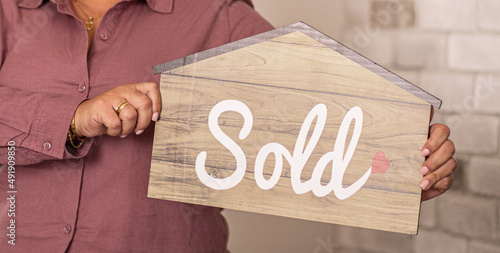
[315, 34]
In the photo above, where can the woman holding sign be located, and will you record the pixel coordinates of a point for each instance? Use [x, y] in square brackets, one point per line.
[79, 99]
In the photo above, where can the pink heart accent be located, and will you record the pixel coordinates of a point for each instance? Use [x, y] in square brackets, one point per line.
[380, 164]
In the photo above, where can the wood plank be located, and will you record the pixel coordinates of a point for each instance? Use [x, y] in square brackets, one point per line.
[280, 81]
[327, 69]
[316, 35]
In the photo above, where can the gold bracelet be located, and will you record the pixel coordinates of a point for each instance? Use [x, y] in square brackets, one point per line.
[73, 137]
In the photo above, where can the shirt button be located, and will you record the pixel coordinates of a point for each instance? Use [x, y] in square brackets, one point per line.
[82, 87]
[67, 229]
[47, 145]
[104, 36]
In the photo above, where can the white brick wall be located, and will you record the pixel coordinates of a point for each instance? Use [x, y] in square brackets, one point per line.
[483, 174]
[442, 15]
[438, 242]
[474, 134]
[378, 48]
[358, 12]
[428, 214]
[420, 50]
[487, 93]
[481, 247]
[452, 88]
[468, 216]
[488, 17]
[453, 52]
[474, 52]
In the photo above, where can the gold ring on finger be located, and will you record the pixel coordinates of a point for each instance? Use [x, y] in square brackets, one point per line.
[456, 161]
[119, 108]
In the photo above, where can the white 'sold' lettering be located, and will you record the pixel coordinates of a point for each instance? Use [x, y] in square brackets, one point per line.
[297, 160]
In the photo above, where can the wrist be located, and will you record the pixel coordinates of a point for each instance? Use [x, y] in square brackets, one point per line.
[75, 139]
[75, 129]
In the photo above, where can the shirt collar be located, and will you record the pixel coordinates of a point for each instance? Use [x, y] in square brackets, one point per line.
[163, 6]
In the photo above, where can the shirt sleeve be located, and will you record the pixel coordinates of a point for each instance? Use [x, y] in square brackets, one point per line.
[37, 125]
[244, 21]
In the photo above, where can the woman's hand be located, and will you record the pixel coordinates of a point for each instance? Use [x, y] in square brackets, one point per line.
[440, 164]
[98, 116]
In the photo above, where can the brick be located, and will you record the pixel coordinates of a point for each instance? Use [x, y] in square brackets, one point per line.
[420, 50]
[480, 247]
[482, 176]
[486, 93]
[438, 242]
[392, 14]
[473, 134]
[428, 214]
[488, 18]
[440, 15]
[379, 48]
[474, 52]
[470, 216]
[357, 12]
[361, 36]
[326, 16]
[451, 88]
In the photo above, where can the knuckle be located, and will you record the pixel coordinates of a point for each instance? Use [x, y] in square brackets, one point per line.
[445, 129]
[453, 164]
[142, 124]
[127, 115]
[145, 103]
[100, 103]
[446, 183]
[449, 146]
[433, 178]
[151, 85]
[115, 124]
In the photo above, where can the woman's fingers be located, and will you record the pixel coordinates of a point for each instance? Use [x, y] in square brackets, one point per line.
[145, 98]
[128, 117]
[143, 106]
[434, 177]
[110, 120]
[440, 165]
[100, 115]
[438, 157]
[438, 133]
[152, 90]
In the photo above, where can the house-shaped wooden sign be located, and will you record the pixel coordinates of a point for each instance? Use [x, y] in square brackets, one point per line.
[292, 123]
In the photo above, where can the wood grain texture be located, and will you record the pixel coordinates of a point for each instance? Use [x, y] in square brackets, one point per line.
[316, 35]
[281, 80]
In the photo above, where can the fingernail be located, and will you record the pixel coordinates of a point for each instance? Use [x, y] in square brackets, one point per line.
[424, 184]
[139, 132]
[155, 116]
[425, 152]
[424, 170]
[123, 136]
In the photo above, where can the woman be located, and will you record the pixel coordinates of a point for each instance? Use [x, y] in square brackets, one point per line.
[82, 153]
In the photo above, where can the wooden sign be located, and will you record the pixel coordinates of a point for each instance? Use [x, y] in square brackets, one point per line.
[292, 123]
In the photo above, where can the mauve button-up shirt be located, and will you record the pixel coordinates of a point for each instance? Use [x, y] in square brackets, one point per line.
[93, 199]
